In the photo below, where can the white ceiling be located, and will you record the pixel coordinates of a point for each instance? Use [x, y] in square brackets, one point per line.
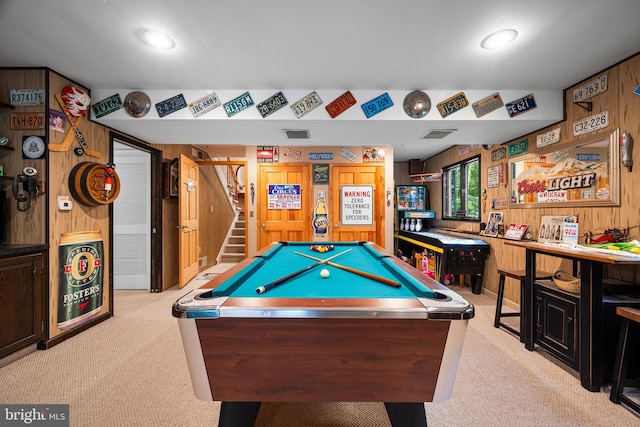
[330, 46]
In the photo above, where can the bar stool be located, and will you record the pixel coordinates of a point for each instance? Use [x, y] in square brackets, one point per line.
[519, 275]
[622, 358]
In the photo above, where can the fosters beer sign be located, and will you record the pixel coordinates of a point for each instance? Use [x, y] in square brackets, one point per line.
[569, 179]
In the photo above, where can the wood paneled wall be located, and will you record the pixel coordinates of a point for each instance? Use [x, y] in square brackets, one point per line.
[624, 107]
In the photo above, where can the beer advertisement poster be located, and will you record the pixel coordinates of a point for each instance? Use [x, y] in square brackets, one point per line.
[80, 290]
[320, 173]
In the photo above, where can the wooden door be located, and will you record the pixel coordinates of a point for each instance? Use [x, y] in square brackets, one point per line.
[351, 176]
[188, 220]
[277, 225]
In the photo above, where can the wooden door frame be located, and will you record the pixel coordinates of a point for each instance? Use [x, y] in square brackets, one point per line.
[156, 212]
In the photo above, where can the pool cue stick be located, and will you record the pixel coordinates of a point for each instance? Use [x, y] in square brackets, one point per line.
[264, 288]
[380, 279]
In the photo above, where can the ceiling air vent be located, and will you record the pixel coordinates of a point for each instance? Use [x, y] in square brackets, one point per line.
[297, 133]
[437, 133]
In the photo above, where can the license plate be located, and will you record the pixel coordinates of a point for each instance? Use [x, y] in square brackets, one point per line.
[591, 123]
[107, 106]
[340, 104]
[590, 89]
[487, 105]
[306, 104]
[377, 105]
[27, 97]
[518, 147]
[453, 104]
[272, 104]
[21, 121]
[238, 104]
[548, 138]
[204, 105]
[521, 105]
[171, 105]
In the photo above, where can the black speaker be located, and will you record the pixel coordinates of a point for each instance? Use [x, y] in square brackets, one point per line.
[415, 167]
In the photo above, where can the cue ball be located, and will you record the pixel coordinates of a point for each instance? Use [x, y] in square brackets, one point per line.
[324, 273]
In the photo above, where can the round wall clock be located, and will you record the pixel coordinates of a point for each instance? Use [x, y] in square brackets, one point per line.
[33, 147]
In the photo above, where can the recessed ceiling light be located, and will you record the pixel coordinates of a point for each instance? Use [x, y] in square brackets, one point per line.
[499, 39]
[155, 39]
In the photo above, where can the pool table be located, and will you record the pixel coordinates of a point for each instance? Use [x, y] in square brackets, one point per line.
[345, 337]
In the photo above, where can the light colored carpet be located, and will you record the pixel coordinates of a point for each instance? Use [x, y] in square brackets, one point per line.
[131, 371]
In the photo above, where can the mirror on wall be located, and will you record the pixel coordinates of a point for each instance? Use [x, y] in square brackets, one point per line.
[583, 172]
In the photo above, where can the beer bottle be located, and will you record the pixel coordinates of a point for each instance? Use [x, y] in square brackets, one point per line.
[320, 217]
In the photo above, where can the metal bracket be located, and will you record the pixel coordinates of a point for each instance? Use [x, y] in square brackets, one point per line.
[586, 105]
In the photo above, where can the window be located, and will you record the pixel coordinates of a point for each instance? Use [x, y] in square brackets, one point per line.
[461, 190]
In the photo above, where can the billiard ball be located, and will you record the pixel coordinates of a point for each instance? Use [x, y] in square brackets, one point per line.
[324, 273]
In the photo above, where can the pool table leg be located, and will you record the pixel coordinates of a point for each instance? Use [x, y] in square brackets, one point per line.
[403, 414]
[238, 414]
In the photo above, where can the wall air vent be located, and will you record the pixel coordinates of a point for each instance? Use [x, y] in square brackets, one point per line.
[437, 133]
[297, 133]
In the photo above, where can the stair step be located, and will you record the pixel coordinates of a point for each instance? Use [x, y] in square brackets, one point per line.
[234, 249]
[237, 232]
[239, 224]
[236, 240]
[231, 257]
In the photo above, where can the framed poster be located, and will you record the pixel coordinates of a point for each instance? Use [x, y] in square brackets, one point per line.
[320, 173]
[552, 227]
[170, 177]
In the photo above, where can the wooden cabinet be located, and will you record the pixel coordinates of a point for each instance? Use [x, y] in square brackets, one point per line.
[22, 293]
[557, 321]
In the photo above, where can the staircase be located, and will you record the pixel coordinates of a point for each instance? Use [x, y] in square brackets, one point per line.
[233, 250]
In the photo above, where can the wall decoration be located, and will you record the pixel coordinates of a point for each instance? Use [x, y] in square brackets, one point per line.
[487, 105]
[272, 104]
[548, 138]
[417, 104]
[377, 105]
[320, 156]
[340, 104]
[493, 176]
[238, 104]
[591, 124]
[495, 218]
[293, 154]
[107, 106]
[499, 154]
[57, 120]
[202, 106]
[284, 196]
[27, 121]
[356, 205]
[590, 89]
[171, 105]
[518, 147]
[552, 227]
[515, 231]
[522, 105]
[267, 154]
[27, 97]
[320, 173]
[307, 104]
[451, 105]
[373, 155]
[170, 177]
[33, 147]
[137, 104]
[587, 174]
[347, 154]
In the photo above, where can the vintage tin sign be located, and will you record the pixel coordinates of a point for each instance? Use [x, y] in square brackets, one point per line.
[27, 97]
[453, 104]
[238, 104]
[499, 154]
[171, 105]
[518, 147]
[307, 104]
[376, 105]
[203, 105]
[487, 105]
[320, 156]
[107, 106]
[340, 104]
[522, 105]
[590, 89]
[548, 138]
[22, 121]
[272, 104]
[592, 123]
